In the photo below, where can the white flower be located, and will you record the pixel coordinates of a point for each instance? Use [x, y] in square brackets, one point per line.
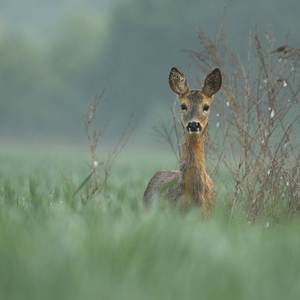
[272, 114]
[95, 164]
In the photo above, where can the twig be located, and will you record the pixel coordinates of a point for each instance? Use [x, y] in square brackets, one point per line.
[268, 152]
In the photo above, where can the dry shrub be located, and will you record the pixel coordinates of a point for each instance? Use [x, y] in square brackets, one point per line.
[253, 139]
[253, 148]
[97, 179]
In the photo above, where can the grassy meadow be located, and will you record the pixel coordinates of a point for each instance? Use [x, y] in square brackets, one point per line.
[56, 246]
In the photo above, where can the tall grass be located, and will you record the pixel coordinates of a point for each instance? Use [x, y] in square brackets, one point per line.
[56, 246]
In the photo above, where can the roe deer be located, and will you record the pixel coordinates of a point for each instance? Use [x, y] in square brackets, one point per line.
[190, 184]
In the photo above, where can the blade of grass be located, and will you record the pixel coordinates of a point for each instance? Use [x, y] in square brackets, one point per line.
[86, 179]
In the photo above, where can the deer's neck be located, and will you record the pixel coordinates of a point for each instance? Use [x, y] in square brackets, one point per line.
[192, 170]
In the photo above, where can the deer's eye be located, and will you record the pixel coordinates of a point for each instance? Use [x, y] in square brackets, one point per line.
[183, 107]
[206, 107]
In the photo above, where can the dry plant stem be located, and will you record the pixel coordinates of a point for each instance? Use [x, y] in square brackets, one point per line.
[178, 140]
[93, 136]
[269, 153]
[114, 153]
[94, 186]
[164, 131]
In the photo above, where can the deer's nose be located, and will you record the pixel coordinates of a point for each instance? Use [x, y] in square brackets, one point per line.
[194, 127]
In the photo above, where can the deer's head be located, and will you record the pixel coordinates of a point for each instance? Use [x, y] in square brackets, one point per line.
[195, 104]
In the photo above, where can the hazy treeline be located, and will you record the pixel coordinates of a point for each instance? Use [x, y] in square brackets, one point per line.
[56, 57]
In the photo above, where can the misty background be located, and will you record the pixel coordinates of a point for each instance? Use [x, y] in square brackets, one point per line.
[56, 55]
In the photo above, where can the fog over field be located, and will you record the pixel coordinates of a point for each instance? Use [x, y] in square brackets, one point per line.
[57, 55]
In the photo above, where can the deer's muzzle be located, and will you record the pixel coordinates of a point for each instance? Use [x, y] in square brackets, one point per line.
[194, 127]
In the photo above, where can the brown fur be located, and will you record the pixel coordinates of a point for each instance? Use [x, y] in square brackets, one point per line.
[191, 184]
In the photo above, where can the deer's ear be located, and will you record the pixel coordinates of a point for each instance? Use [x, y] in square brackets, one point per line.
[178, 82]
[212, 83]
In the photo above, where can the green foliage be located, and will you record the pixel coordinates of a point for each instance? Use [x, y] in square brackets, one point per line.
[55, 247]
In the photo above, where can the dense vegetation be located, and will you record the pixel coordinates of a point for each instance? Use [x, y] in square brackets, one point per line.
[54, 246]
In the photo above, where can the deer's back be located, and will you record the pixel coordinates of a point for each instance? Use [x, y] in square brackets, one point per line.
[164, 185]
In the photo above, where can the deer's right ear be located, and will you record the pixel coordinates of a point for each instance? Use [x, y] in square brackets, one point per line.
[178, 82]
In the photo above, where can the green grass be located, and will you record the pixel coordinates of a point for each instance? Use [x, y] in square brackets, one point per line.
[55, 247]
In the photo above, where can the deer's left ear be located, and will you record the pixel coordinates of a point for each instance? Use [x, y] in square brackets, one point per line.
[212, 83]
